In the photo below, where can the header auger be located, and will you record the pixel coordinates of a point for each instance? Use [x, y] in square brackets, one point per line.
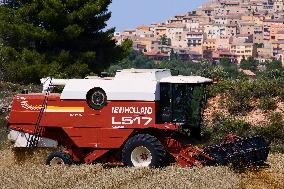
[135, 119]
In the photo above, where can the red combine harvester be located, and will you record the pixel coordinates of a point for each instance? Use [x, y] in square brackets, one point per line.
[136, 118]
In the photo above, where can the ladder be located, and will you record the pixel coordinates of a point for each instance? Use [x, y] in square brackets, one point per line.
[32, 140]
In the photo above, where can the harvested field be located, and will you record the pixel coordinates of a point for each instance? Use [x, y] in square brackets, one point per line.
[25, 169]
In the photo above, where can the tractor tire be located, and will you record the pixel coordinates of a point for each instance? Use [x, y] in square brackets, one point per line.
[58, 158]
[96, 98]
[144, 150]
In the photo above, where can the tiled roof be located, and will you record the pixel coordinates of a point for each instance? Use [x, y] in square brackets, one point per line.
[175, 25]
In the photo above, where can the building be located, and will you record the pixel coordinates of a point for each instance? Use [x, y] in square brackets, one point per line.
[247, 27]
[159, 30]
[157, 56]
[270, 29]
[243, 47]
[146, 44]
[195, 41]
[278, 6]
[277, 48]
[144, 31]
[177, 35]
[223, 53]
[214, 31]
[209, 44]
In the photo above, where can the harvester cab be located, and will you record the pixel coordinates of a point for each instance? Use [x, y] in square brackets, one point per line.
[131, 119]
[182, 102]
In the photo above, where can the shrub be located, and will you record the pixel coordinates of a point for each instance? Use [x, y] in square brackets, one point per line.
[267, 103]
[217, 118]
[220, 88]
[239, 106]
[223, 126]
[280, 93]
[274, 131]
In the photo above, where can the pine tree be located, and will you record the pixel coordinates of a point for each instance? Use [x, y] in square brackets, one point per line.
[51, 37]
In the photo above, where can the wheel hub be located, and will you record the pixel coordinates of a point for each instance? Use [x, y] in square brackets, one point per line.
[56, 161]
[141, 157]
[98, 98]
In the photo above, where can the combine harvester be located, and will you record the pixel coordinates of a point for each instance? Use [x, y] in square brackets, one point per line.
[135, 118]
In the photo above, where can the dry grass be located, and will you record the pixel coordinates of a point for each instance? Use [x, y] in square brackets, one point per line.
[25, 169]
[271, 178]
[30, 173]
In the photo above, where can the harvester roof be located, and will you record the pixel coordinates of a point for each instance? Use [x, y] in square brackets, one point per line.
[185, 79]
[128, 84]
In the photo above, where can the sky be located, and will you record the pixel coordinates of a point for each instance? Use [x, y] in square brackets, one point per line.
[128, 14]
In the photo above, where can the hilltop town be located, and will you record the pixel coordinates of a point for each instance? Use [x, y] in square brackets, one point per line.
[217, 29]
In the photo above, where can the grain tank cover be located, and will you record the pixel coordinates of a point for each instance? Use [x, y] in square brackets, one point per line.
[185, 79]
[128, 84]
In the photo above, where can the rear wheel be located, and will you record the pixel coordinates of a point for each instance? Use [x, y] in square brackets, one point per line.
[58, 158]
[143, 150]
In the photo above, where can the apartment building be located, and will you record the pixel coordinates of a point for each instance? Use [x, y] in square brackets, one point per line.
[247, 27]
[146, 44]
[144, 31]
[209, 44]
[243, 46]
[177, 34]
[160, 30]
[195, 41]
[278, 6]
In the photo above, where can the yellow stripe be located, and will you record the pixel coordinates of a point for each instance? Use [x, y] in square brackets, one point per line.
[60, 108]
[64, 108]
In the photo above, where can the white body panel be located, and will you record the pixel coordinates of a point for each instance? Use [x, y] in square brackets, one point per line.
[185, 79]
[129, 84]
[20, 140]
[115, 90]
[132, 84]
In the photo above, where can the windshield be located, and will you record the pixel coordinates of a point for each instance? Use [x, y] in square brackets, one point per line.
[182, 103]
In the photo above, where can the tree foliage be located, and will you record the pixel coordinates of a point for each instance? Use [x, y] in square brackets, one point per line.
[249, 64]
[56, 37]
[226, 70]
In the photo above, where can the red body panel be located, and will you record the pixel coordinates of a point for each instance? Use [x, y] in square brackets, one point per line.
[107, 128]
[96, 135]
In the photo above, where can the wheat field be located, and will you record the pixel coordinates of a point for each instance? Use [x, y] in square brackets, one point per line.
[26, 169]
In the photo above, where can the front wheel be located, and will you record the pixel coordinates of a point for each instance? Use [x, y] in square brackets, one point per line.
[58, 158]
[143, 150]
